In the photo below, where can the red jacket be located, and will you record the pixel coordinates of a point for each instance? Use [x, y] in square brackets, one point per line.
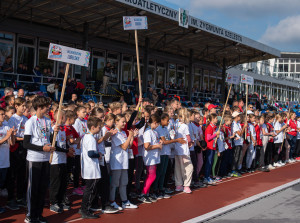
[258, 131]
[228, 133]
[211, 128]
[2, 102]
[270, 129]
[293, 126]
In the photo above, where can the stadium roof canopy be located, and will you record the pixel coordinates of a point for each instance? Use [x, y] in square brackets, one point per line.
[209, 42]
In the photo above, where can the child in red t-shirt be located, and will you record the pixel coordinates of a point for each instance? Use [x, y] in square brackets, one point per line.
[73, 140]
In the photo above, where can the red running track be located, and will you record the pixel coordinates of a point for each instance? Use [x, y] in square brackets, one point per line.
[180, 207]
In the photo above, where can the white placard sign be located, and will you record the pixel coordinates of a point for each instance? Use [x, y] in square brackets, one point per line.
[233, 79]
[135, 22]
[245, 79]
[183, 18]
[68, 55]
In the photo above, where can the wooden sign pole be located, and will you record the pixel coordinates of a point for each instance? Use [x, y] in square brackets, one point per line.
[224, 110]
[138, 61]
[59, 108]
[246, 107]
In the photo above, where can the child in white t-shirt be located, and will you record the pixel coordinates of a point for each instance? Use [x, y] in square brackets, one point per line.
[139, 167]
[9, 112]
[104, 182]
[279, 128]
[119, 163]
[80, 126]
[17, 157]
[183, 164]
[37, 142]
[237, 132]
[7, 138]
[58, 169]
[194, 137]
[164, 136]
[151, 156]
[251, 152]
[90, 168]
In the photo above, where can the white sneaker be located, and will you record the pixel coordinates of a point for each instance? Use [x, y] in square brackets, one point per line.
[128, 205]
[114, 205]
[276, 165]
[293, 160]
[271, 167]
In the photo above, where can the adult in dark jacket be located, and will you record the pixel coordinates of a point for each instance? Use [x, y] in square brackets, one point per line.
[128, 97]
[70, 88]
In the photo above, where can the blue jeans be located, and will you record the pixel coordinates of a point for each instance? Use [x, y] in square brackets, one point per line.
[292, 142]
[209, 161]
[3, 172]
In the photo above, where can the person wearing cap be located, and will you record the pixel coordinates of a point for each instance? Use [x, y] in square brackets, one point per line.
[249, 112]
[212, 109]
[238, 132]
[206, 105]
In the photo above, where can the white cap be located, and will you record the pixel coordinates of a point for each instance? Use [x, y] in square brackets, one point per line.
[235, 114]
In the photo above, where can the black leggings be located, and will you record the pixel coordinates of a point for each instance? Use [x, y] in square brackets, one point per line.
[269, 153]
[131, 168]
[103, 186]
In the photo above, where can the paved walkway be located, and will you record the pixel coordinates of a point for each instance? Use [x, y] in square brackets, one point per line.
[283, 207]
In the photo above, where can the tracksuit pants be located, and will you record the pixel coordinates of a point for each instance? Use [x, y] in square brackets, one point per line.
[58, 183]
[38, 182]
[16, 176]
[89, 194]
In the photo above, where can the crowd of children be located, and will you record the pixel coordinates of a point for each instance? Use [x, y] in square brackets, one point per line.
[119, 154]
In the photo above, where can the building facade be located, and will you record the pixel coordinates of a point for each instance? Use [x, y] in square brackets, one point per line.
[277, 78]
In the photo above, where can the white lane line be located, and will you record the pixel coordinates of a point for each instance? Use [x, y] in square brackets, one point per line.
[223, 210]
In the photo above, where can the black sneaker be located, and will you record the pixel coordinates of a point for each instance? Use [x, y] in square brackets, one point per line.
[56, 208]
[42, 219]
[12, 205]
[153, 198]
[160, 196]
[145, 199]
[110, 210]
[64, 207]
[89, 215]
[22, 203]
[95, 208]
[67, 201]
